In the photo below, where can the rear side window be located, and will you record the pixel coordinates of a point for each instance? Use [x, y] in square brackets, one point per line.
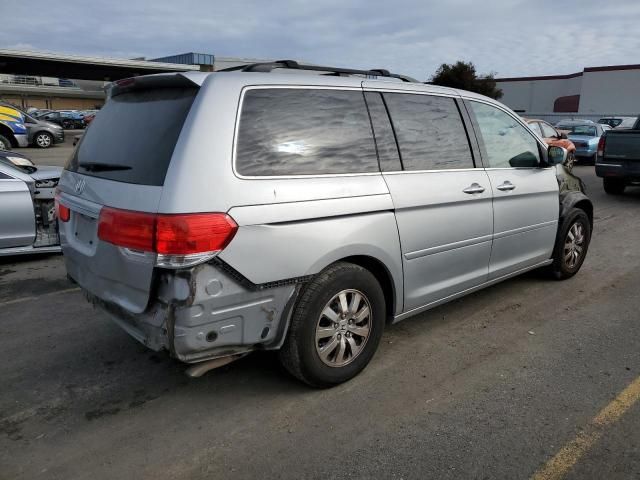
[430, 132]
[133, 138]
[293, 131]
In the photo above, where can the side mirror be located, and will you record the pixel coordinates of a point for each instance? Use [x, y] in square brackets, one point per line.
[556, 155]
[563, 135]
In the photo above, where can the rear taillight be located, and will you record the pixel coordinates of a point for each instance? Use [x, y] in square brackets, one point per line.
[193, 233]
[135, 230]
[62, 211]
[601, 143]
[178, 239]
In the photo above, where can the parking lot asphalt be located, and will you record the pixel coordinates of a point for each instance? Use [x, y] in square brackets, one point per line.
[531, 375]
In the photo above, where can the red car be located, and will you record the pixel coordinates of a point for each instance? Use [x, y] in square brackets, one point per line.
[551, 136]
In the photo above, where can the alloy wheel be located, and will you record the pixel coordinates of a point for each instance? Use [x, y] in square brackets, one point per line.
[343, 328]
[574, 245]
[43, 140]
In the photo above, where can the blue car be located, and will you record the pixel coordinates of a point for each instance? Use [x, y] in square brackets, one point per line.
[585, 135]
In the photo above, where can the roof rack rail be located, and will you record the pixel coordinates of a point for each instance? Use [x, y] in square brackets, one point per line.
[292, 64]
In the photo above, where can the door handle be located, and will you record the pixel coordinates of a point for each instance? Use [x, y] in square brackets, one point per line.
[474, 188]
[506, 186]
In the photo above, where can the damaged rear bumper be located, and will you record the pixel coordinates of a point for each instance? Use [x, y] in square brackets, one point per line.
[203, 313]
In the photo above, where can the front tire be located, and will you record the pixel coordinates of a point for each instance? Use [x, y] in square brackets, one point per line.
[43, 140]
[5, 144]
[336, 326]
[572, 245]
[613, 186]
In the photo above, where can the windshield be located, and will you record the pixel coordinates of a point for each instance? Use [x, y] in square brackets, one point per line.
[586, 130]
[133, 138]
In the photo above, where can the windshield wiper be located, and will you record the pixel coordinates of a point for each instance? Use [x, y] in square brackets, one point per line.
[102, 167]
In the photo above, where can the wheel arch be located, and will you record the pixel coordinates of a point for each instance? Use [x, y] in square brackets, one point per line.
[8, 133]
[576, 200]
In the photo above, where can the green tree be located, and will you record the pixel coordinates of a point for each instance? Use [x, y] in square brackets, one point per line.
[463, 75]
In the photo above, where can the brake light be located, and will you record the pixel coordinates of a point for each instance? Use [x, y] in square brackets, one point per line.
[126, 228]
[193, 233]
[63, 212]
[601, 146]
[198, 235]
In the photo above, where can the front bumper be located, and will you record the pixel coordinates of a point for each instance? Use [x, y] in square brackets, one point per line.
[22, 139]
[58, 136]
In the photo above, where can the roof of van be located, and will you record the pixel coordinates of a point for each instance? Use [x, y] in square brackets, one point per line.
[297, 77]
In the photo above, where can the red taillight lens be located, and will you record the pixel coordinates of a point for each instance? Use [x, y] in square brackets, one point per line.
[129, 229]
[193, 233]
[601, 143]
[179, 234]
[63, 212]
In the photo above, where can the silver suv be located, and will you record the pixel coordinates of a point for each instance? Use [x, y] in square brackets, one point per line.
[301, 212]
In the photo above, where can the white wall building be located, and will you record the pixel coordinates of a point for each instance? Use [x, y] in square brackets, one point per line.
[595, 91]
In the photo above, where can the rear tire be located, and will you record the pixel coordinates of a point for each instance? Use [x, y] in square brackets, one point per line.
[327, 344]
[5, 144]
[613, 186]
[43, 140]
[571, 245]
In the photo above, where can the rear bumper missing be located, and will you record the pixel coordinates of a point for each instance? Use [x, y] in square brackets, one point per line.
[217, 317]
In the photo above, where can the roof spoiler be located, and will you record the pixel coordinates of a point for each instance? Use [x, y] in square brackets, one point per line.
[146, 82]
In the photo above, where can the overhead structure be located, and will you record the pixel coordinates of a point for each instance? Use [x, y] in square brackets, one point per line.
[82, 67]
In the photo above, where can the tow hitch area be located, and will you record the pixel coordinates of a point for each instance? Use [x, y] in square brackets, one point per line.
[201, 368]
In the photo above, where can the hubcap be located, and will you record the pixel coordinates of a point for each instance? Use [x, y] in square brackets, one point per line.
[574, 245]
[43, 140]
[343, 328]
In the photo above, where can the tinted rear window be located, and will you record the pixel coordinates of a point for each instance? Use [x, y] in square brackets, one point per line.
[285, 131]
[133, 138]
[430, 132]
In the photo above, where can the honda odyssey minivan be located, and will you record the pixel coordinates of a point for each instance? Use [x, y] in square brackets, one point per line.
[304, 212]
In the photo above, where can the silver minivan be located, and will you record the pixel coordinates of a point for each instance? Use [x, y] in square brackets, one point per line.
[301, 209]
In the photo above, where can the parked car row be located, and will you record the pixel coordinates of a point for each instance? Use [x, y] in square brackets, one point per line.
[67, 119]
[19, 129]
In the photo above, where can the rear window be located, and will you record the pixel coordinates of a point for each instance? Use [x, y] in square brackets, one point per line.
[133, 138]
[287, 131]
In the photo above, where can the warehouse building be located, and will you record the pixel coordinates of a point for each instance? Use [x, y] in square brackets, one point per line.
[594, 92]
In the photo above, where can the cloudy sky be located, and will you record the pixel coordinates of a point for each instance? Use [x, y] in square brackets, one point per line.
[509, 37]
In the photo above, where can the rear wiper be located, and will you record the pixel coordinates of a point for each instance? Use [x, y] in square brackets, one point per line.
[102, 167]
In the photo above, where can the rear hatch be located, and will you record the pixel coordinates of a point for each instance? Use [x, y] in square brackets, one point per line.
[121, 163]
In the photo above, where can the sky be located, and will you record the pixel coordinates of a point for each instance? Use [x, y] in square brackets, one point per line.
[508, 37]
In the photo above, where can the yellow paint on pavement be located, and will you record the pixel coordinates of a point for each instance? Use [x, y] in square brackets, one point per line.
[568, 456]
